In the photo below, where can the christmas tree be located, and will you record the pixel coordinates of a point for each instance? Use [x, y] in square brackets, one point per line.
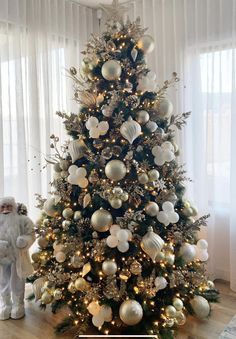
[118, 242]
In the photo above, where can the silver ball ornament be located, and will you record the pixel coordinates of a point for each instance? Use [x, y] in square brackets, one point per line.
[115, 203]
[170, 311]
[101, 220]
[111, 70]
[188, 252]
[178, 304]
[151, 208]
[153, 175]
[146, 44]
[67, 213]
[142, 117]
[109, 267]
[115, 170]
[131, 312]
[143, 178]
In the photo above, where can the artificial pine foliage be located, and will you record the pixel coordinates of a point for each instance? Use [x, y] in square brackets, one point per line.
[118, 241]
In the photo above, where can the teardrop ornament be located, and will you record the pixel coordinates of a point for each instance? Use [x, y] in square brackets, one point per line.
[130, 130]
[152, 244]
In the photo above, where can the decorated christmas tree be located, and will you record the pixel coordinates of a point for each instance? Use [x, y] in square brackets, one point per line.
[118, 242]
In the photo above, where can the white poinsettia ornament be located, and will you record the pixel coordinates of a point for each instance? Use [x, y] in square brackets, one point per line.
[167, 215]
[96, 128]
[164, 153]
[119, 238]
[77, 176]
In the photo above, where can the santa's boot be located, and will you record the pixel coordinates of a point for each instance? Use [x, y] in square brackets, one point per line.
[18, 309]
[5, 307]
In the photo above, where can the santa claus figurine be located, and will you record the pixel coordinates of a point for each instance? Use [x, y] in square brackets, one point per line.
[16, 237]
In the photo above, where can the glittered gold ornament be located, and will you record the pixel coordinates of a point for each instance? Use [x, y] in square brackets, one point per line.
[125, 274]
[81, 284]
[46, 298]
[101, 220]
[57, 294]
[131, 312]
[35, 257]
[76, 261]
[115, 170]
[60, 257]
[143, 178]
[146, 44]
[109, 267]
[67, 213]
[111, 70]
[71, 287]
[136, 268]
[152, 244]
[42, 242]
[50, 208]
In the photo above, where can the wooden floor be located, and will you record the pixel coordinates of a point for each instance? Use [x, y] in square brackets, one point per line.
[39, 324]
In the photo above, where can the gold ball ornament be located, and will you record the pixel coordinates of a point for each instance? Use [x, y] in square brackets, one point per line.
[111, 70]
[60, 257]
[170, 311]
[71, 287]
[143, 178]
[101, 220]
[46, 298]
[76, 261]
[146, 44]
[109, 267]
[57, 294]
[180, 318]
[81, 284]
[178, 304]
[67, 213]
[152, 208]
[131, 312]
[115, 203]
[77, 215]
[200, 306]
[35, 257]
[115, 170]
[142, 117]
[42, 242]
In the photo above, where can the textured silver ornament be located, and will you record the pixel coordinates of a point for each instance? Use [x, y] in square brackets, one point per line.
[109, 267]
[152, 244]
[200, 306]
[131, 312]
[130, 130]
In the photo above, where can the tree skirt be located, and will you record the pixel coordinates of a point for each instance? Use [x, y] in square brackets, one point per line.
[230, 330]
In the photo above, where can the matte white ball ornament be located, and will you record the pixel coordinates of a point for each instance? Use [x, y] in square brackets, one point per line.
[115, 170]
[130, 130]
[160, 283]
[101, 220]
[123, 246]
[165, 108]
[67, 213]
[146, 44]
[170, 311]
[200, 306]
[111, 70]
[109, 267]
[151, 126]
[178, 304]
[153, 175]
[131, 312]
[143, 178]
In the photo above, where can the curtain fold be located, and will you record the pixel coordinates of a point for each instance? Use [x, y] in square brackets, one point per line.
[196, 38]
[39, 40]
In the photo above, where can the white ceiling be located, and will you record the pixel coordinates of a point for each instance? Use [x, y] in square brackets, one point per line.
[96, 3]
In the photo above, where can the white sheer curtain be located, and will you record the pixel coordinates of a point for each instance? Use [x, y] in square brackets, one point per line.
[196, 38]
[39, 39]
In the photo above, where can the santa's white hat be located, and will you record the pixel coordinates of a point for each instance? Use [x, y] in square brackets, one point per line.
[8, 200]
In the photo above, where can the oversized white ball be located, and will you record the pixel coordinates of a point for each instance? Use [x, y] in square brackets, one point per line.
[152, 208]
[178, 304]
[131, 312]
[200, 306]
[142, 117]
[165, 108]
[111, 70]
[146, 44]
[112, 241]
[115, 170]
[101, 220]
[123, 246]
[109, 267]
[202, 244]
[123, 235]
[188, 252]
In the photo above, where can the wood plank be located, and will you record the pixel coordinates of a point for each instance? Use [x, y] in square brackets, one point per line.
[39, 324]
